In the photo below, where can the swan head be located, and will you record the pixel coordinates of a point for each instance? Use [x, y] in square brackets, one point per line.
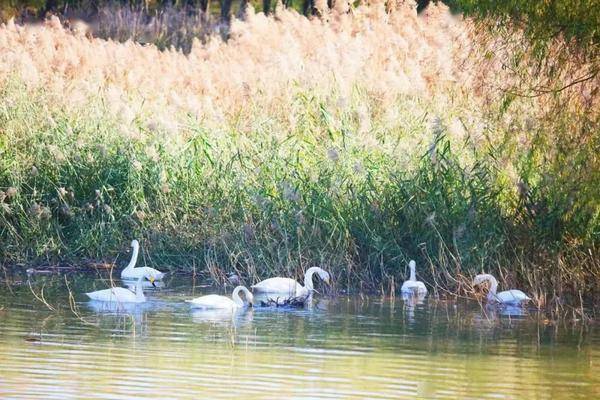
[478, 280]
[135, 243]
[308, 277]
[481, 278]
[487, 278]
[152, 279]
[247, 294]
[249, 298]
[138, 286]
[325, 277]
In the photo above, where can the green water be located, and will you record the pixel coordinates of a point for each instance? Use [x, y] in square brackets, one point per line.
[343, 347]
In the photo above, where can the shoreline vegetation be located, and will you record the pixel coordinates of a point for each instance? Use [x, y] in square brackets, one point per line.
[352, 140]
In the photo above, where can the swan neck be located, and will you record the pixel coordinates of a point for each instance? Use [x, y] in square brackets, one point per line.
[493, 287]
[413, 274]
[139, 290]
[308, 279]
[235, 296]
[134, 256]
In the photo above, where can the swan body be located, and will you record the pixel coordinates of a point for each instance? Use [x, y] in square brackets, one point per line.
[412, 285]
[130, 272]
[121, 295]
[217, 302]
[289, 287]
[509, 297]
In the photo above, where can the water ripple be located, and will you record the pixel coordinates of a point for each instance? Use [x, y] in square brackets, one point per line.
[341, 349]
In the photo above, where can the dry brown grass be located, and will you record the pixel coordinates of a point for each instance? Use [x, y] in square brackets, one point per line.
[265, 62]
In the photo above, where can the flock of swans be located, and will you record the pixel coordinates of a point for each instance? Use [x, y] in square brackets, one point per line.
[513, 297]
[284, 290]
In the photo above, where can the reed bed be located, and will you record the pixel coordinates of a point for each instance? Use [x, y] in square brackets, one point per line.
[355, 141]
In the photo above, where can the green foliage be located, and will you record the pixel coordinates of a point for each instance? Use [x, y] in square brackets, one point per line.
[541, 19]
[270, 202]
[75, 188]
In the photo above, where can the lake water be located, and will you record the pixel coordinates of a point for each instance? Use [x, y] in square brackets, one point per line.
[344, 347]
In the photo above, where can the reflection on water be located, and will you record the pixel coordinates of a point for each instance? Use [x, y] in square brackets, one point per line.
[410, 301]
[235, 317]
[347, 347]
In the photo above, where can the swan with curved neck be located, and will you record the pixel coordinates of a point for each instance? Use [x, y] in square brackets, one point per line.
[215, 301]
[130, 272]
[122, 295]
[412, 286]
[510, 297]
[289, 287]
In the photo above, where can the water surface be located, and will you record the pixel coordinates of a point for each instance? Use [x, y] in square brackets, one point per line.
[343, 347]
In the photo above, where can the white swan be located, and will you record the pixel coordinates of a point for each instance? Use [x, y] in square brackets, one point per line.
[510, 297]
[412, 285]
[289, 287]
[122, 295]
[214, 301]
[130, 272]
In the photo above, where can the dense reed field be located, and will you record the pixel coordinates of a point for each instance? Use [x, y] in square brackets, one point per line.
[355, 141]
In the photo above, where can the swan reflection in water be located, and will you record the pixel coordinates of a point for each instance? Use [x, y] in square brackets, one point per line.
[237, 317]
[122, 317]
[512, 311]
[491, 316]
[275, 302]
[410, 302]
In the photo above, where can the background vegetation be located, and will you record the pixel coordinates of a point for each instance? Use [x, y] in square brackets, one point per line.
[355, 141]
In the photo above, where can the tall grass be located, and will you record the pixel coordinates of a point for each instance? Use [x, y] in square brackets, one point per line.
[356, 142]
